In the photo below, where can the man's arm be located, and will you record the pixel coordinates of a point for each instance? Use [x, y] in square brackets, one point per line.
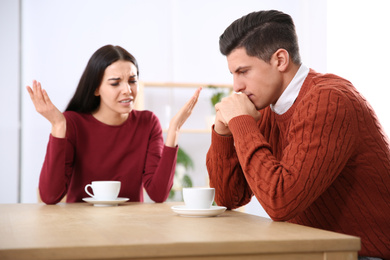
[320, 140]
[225, 173]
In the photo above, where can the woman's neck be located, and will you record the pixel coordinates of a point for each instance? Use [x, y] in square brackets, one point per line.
[110, 119]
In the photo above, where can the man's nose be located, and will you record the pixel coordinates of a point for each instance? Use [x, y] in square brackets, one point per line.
[238, 85]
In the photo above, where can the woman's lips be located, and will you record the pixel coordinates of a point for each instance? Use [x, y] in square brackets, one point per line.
[126, 102]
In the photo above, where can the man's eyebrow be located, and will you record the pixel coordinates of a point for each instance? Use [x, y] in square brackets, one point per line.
[240, 68]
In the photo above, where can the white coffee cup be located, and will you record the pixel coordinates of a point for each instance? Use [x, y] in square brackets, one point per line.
[198, 198]
[104, 190]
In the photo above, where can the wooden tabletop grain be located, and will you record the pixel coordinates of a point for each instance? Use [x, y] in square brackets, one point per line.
[149, 231]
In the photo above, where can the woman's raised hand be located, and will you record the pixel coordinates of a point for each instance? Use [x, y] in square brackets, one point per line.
[45, 107]
[180, 118]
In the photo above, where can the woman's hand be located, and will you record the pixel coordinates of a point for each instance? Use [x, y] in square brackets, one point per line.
[45, 107]
[180, 118]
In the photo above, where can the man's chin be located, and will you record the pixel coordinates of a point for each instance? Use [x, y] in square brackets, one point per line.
[260, 107]
[257, 106]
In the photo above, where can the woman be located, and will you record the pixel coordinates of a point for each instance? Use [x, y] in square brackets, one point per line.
[101, 137]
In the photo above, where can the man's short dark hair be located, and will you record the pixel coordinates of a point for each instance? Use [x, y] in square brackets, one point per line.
[262, 34]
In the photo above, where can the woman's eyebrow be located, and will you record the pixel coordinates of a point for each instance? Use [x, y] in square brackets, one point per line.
[133, 76]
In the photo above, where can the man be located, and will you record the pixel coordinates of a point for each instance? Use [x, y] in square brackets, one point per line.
[307, 145]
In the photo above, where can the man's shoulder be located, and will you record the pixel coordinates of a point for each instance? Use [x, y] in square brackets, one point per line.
[326, 79]
[323, 83]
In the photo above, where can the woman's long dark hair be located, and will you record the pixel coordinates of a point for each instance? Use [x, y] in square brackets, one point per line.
[84, 99]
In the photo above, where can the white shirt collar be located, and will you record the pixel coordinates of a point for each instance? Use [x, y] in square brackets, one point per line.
[290, 94]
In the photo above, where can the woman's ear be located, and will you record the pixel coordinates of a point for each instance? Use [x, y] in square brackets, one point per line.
[282, 58]
[96, 93]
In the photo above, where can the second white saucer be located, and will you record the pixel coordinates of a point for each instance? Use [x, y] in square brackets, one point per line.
[105, 203]
[186, 212]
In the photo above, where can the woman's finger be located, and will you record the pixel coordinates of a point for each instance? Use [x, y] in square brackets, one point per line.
[46, 97]
[30, 92]
[192, 102]
[40, 92]
[39, 97]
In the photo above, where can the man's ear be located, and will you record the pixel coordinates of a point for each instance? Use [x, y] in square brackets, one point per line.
[282, 59]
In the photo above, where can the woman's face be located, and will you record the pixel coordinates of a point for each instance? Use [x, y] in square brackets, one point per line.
[117, 90]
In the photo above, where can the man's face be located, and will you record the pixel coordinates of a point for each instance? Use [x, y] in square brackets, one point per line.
[260, 81]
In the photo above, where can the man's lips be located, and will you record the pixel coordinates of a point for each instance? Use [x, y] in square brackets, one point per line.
[250, 96]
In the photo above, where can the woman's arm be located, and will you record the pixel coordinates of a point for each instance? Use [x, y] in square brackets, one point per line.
[45, 107]
[56, 170]
[179, 119]
[158, 180]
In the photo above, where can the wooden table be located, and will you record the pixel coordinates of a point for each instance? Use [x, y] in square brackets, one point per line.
[148, 231]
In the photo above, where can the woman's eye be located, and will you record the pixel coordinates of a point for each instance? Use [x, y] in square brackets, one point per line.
[115, 84]
[132, 81]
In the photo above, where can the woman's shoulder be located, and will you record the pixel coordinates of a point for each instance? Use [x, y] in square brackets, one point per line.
[135, 115]
[76, 116]
[71, 114]
[144, 115]
[145, 119]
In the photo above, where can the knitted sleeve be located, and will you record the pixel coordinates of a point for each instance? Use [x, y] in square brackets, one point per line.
[225, 173]
[319, 142]
[57, 166]
[160, 164]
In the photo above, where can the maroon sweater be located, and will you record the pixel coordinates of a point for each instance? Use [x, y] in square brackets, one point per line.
[133, 153]
[325, 163]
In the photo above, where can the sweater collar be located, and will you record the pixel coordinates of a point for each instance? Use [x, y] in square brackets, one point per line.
[290, 94]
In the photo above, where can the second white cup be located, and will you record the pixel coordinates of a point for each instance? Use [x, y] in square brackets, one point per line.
[198, 198]
[104, 190]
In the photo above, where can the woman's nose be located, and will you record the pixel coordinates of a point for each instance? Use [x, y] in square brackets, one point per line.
[127, 89]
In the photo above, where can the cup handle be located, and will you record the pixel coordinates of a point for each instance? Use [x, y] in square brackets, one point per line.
[86, 190]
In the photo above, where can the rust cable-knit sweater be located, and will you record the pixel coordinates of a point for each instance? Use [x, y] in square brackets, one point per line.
[325, 163]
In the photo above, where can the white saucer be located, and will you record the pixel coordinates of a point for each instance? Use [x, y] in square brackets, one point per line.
[105, 203]
[186, 212]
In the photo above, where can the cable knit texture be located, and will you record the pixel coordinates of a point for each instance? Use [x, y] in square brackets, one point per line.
[133, 153]
[325, 163]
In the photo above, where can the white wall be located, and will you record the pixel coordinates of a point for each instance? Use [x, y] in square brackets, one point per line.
[358, 49]
[58, 39]
[9, 101]
[173, 41]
